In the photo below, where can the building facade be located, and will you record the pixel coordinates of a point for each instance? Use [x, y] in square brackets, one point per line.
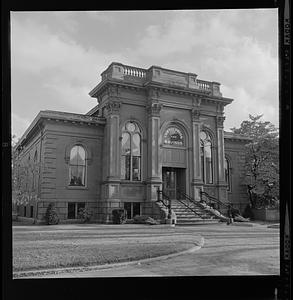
[151, 128]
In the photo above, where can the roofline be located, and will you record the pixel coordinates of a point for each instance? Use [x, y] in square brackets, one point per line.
[58, 115]
[235, 136]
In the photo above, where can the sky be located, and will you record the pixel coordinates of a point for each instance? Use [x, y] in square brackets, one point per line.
[57, 57]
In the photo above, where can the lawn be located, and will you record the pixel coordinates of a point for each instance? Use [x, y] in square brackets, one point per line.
[36, 248]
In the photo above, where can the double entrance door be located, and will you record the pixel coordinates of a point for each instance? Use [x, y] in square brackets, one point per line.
[173, 180]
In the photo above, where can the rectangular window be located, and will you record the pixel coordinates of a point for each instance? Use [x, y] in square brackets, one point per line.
[132, 209]
[32, 212]
[125, 167]
[71, 210]
[79, 206]
[24, 211]
[127, 207]
[136, 209]
[209, 170]
[136, 168]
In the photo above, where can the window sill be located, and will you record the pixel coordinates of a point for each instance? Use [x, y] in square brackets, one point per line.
[131, 182]
[76, 187]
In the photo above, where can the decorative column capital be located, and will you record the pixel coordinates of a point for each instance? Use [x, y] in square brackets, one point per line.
[220, 121]
[195, 114]
[113, 107]
[220, 109]
[113, 91]
[196, 101]
[154, 109]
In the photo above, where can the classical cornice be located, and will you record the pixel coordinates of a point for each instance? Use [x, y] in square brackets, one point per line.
[236, 137]
[58, 116]
[155, 90]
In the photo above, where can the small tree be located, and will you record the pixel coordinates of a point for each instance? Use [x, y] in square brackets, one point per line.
[84, 215]
[51, 216]
[261, 161]
[24, 181]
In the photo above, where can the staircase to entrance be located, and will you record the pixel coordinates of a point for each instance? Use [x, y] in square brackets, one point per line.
[188, 211]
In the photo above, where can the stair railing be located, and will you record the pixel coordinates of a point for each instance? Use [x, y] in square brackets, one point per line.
[182, 194]
[169, 204]
[214, 200]
[162, 200]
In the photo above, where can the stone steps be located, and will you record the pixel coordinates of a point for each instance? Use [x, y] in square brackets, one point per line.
[186, 216]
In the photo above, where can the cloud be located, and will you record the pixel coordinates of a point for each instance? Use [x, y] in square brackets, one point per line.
[64, 66]
[218, 46]
[214, 46]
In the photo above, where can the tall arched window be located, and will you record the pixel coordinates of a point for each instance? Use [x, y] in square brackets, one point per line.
[35, 171]
[206, 157]
[77, 166]
[227, 168]
[131, 152]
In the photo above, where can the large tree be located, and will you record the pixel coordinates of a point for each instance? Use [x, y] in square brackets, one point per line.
[261, 160]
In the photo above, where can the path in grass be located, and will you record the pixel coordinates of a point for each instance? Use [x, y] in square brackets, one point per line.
[46, 247]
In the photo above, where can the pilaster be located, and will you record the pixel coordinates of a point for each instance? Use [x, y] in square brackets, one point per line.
[222, 186]
[154, 170]
[197, 182]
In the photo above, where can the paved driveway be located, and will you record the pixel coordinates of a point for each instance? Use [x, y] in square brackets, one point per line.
[228, 250]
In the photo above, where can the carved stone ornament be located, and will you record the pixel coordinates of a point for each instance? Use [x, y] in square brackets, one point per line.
[113, 107]
[154, 109]
[195, 114]
[153, 94]
[113, 91]
[196, 101]
[220, 108]
[220, 121]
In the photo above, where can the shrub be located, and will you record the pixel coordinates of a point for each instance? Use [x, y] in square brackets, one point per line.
[84, 215]
[144, 220]
[119, 216]
[51, 216]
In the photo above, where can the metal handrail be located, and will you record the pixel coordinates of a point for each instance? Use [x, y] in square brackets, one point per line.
[182, 202]
[198, 202]
[168, 206]
[216, 200]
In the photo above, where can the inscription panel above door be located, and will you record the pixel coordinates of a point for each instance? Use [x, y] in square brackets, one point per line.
[173, 157]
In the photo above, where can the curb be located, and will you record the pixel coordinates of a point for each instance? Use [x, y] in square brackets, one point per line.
[29, 274]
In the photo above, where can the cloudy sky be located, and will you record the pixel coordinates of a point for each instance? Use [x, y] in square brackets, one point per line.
[57, 57]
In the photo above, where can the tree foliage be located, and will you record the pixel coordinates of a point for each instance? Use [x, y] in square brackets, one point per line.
[261, 160]
[25, 175]
[51, 217]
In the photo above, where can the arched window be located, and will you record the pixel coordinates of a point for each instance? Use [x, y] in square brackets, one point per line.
[35, 170]
[206, 157]
[77, 166]
[131, 152]
[227, 168]
[173, 136]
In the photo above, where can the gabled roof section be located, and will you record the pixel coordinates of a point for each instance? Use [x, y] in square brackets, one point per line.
[57, 115]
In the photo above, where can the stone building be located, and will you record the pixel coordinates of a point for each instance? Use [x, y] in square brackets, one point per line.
[151, 128]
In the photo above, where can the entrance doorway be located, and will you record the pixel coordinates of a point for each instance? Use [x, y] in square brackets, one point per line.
[173, 179]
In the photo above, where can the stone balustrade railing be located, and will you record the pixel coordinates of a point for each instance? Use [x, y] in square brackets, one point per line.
[133, 71]
[160, 75]
[204, 85]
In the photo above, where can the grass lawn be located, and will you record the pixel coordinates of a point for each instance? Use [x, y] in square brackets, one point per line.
[35, 249]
